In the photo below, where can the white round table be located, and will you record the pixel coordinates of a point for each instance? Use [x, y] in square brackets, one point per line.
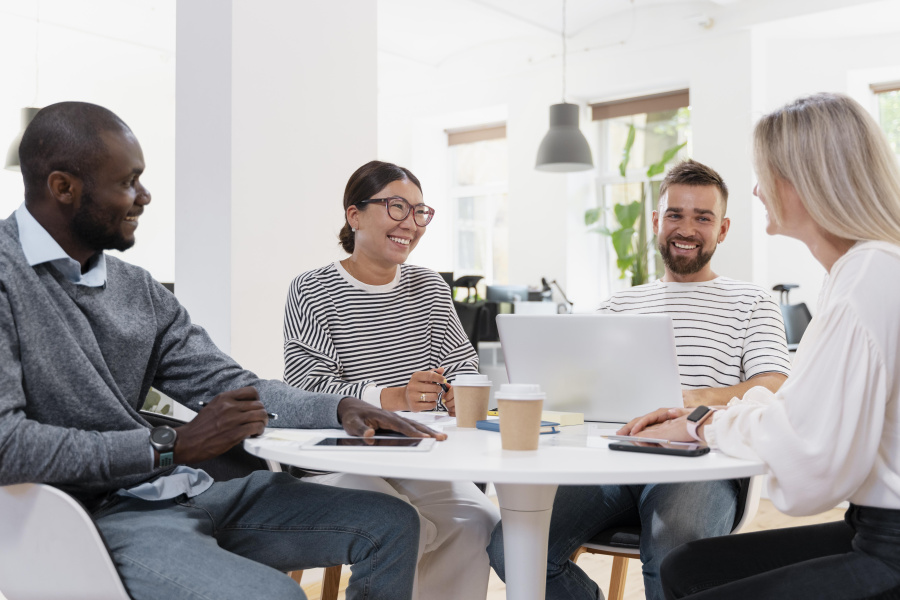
[526, 482]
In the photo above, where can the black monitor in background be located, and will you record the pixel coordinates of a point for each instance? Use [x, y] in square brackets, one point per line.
[448, 277]
[507, 293]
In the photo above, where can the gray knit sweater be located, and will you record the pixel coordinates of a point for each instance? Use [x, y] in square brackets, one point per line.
[76, 363]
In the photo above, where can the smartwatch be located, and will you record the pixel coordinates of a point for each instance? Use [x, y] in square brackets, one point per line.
[697, 417]
[162, 439]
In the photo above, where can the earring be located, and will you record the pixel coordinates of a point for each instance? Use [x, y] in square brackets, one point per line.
[353, 229]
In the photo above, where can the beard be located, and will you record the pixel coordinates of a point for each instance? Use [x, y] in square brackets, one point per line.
[96, 229]
[682, 265]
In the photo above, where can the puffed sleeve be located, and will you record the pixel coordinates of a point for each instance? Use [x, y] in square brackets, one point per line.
[819, 434]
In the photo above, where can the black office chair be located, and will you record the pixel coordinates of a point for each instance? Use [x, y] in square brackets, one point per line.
[473, 317]
[796, 316]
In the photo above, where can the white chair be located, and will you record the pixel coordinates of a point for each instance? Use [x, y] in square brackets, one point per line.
[50, 548]
[623, 543]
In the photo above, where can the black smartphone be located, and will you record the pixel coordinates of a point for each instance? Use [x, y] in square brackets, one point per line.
[655, 448]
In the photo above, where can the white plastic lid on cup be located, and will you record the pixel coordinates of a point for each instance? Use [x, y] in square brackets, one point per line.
[520, 391]
[472, 380]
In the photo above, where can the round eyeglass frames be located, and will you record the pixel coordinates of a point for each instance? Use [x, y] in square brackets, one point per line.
[399, 208]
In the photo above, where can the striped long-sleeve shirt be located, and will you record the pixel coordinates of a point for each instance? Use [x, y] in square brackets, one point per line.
[342, 335]
[726, 331]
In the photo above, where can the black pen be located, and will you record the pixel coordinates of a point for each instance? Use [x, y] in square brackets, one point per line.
[272, 416]
[440, 399]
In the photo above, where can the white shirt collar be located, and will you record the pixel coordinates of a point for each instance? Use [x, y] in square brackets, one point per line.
[40, 247]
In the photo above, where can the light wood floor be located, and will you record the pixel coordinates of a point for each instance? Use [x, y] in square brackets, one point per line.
[598, 567]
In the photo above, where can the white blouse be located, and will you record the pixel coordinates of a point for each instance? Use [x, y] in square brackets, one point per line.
[832, 432]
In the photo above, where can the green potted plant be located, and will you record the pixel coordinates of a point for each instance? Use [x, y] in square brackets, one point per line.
[629, 239]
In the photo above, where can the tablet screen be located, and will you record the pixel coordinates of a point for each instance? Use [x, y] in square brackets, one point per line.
[395, 442]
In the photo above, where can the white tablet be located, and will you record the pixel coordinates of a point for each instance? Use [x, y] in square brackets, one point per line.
[370, 443]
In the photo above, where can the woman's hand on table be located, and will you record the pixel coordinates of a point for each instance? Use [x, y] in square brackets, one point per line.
[359, 418]
[656, 420]
[674, 430]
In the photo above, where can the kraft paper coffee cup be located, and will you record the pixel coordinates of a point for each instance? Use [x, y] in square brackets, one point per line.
[520, 406]
[471, 394]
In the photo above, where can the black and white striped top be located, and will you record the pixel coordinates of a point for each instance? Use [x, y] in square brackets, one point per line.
[726, 331]
[341, 335]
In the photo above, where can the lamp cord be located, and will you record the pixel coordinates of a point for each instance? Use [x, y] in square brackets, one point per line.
[564, 51]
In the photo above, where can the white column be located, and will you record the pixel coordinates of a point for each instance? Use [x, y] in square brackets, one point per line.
[203, 164]
[277, 107]
[722, 118]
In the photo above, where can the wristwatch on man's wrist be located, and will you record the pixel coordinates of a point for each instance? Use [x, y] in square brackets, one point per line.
[697, 417]
[163, 439]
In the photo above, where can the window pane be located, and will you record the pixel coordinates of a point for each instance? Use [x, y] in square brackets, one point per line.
[465, 210]
[478, 174]
[889, 116]
[479, 162]
[654, 134]
[500, 240]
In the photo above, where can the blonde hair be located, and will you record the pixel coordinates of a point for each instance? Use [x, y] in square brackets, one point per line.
[839, 162]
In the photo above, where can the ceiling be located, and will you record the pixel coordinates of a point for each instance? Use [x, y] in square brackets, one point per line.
[430, 34]
[446, 42]
[433, 32]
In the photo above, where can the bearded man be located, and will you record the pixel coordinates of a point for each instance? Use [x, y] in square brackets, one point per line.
[729, 337]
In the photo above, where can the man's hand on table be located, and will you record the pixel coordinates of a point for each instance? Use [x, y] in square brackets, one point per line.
[362, 419]
[229, 419]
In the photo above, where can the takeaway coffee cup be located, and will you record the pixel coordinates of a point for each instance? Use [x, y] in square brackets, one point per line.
[472, 394]
[520, 406]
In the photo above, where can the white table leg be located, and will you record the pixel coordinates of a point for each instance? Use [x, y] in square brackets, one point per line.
[525, 510]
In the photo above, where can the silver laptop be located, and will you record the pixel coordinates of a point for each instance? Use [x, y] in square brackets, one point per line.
[612, 368]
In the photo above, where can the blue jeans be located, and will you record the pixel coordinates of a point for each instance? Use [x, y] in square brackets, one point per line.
[668, 514]
[237, 539]
[855, 558]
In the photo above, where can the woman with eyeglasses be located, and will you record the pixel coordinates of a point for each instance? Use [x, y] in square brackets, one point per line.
[827, 177]
[372, 327]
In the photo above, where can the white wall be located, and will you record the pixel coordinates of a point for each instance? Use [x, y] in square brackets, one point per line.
[120, 59]
[799, 67]
[264, 153]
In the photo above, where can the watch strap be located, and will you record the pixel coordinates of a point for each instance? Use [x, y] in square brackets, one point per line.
[694, 426]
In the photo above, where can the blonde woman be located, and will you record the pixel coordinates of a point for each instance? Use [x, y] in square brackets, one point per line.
[827, 177]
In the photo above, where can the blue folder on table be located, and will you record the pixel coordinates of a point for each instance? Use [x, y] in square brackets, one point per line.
[546, 426]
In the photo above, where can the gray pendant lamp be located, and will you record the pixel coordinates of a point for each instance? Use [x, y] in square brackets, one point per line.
[12, 155]
[564, 148]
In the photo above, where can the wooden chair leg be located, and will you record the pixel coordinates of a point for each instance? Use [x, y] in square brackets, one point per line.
[296, 576]
[577, 553]
[617, 581]
[331, 583]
